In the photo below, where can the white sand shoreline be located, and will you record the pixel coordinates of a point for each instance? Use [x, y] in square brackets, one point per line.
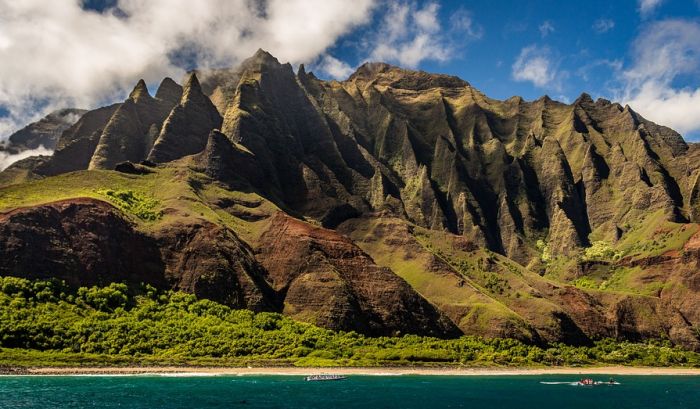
[368, 371]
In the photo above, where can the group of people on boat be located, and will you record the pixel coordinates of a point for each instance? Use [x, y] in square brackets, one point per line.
[591, 382]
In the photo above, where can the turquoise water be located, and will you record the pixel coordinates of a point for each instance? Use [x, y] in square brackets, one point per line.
[636, 392]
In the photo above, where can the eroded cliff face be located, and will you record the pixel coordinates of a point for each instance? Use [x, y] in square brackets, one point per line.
[437, 152]
[89, 242]
[369, 178]
[81, 241]
[328, 280]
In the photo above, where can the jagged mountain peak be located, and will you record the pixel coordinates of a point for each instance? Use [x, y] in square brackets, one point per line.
[584, 98]
[397, 77]
[169, 90]
[264, 62]
[140, 92]
[185, 130]
[192, 87]
[371, 70]
[263, 57]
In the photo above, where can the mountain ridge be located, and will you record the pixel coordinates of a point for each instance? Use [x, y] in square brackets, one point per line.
[550, 221]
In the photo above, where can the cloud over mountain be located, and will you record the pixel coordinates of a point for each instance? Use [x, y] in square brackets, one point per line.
[60, 53]
[664, 52]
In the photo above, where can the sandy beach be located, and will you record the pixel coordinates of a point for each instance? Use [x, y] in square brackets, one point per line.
[296, 371]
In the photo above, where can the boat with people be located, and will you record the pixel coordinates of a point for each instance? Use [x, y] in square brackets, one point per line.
[324, 377]
[591, 382]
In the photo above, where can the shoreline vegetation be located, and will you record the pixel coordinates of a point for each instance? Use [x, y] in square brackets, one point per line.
[360, 371]
[47, 327]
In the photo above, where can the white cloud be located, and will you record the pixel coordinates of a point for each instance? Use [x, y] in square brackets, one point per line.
[409, 35]
[546, 28]
[462, 21]
[603, 25]
[647, 7]
[7, 159]
[663, 52]
[334, 67]
[536, 64]
[678, 109]
[55, 54]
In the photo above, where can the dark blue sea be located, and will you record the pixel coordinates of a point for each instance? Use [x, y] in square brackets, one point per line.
[638, 392]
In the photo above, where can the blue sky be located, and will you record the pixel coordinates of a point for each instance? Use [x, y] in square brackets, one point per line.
[87, 53]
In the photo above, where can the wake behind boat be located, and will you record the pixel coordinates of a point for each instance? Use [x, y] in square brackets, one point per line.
[325, 378]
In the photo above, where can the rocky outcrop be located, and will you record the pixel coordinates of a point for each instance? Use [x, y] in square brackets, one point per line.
[309, 273]
[186, 129]
[447, 157]
[131, 131]
[46, 131]
[429, 148]
[329, 281]
[77, 144]
[212, 262]
[230, 163]
[169, 91]
[109, 135]
[82, 241]
[89, 242]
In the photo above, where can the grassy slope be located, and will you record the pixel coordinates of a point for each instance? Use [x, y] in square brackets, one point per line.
[651, 236]
[175, 194]
[476, 288]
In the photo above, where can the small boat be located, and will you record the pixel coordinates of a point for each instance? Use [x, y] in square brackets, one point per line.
[591, 382]
[311, 378]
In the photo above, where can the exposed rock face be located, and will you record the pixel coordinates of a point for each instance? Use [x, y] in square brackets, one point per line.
[113, 134]
[319, 275]
[84, 242]
[88, 242]
[435, 151]
[429, 148]
[186, 129]
[392, 243]
[169, 91]
[211, 262]
[534, 308]
[46, 131]
[130, 133]
[329, 281]
[230, 163]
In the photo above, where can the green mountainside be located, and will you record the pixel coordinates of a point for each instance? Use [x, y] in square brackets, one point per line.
[395, 202]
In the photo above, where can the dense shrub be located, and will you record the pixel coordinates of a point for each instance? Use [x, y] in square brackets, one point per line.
[143, 323]
[139, 205]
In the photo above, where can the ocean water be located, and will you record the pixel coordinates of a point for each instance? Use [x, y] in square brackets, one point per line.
[638, 392]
